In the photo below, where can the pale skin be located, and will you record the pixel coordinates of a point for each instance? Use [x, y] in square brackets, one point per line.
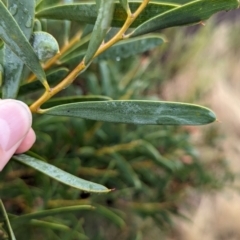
[16, 133]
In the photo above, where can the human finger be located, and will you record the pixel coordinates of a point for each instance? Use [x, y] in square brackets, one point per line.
[27, 142]
[15, 122]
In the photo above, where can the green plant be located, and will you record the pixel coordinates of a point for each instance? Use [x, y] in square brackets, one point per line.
[121, 30]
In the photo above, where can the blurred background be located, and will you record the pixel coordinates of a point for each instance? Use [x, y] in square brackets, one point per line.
[209, 74]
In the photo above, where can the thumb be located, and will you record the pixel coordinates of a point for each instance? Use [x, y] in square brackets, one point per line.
[15, 122]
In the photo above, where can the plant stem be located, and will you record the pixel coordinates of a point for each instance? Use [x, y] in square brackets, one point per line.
[35, 107]
[120, 35]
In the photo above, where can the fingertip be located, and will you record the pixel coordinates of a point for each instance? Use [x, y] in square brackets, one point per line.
[27, 142]
[15, 122]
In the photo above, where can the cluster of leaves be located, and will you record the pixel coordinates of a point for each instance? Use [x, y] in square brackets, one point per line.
[121, 156]
[149, 166]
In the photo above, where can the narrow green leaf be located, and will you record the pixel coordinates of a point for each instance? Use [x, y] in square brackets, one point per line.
[190, 13]
[124, 4]
[78, 50]
[57, 227]
[100, 29]
[110, 215]
[1, 74]
[137, 112]
[133, 46]
[87, 30]
[37, 25]
[50, 212]
[74, 99]
[107, 85]
[175, 1]
[38, 2]
[149, 150]
[126, 171]
[150, 208]
[23, 13]
[13, 36]
[1, 52]
[98, 2]
[93, 84]
[47, 3]
[67, 24]
[9, 228]
[60, 175]
[54, 77]
[5, 2]
[87, 12]
[1, 62]
[35, 155]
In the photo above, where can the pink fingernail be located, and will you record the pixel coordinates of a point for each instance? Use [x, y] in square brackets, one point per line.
[15, 121]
